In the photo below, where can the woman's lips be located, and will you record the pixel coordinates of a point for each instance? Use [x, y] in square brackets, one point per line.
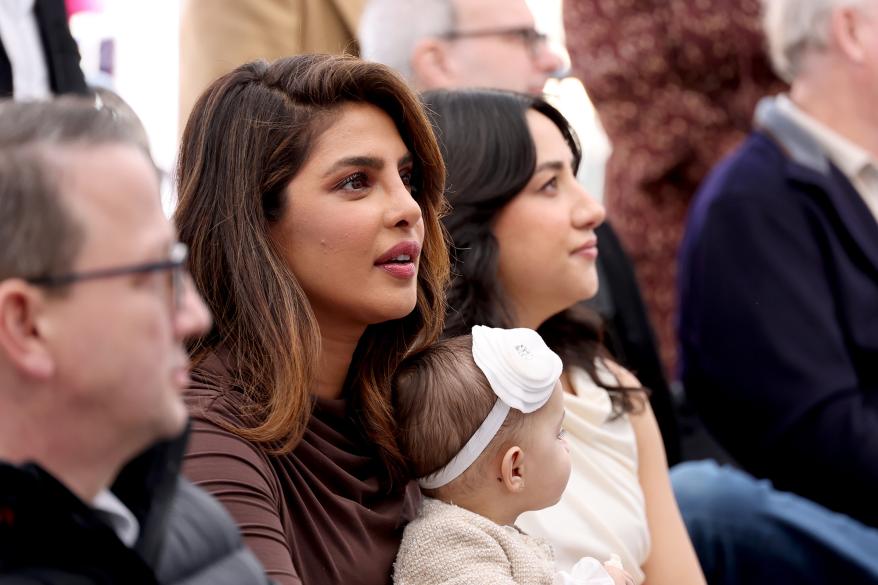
[400, 261]
[401, 270]
[588, 250]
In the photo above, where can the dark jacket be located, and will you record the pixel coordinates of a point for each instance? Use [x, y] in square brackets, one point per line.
[779, 317]
[59, 49]
[628, 334]
[49, 536]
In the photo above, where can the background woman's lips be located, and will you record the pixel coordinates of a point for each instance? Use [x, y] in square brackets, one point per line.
[587, 250]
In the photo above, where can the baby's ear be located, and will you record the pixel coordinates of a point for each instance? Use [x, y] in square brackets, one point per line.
[512, 470]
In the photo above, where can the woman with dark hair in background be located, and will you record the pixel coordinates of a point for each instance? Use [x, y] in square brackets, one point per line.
[310, 192]
[524, 255]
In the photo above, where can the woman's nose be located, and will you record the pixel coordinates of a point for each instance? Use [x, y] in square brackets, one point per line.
[403, 209]
[588, 213]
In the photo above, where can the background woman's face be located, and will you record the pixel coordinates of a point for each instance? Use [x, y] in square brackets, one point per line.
[351, 231]
[548, 247]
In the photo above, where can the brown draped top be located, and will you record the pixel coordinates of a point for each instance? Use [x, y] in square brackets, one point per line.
[317, 515]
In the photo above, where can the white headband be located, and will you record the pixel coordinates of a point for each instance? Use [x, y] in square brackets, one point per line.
[522, 372]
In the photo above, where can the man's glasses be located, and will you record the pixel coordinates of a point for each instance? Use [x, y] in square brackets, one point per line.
[175, 265]
[533, 40]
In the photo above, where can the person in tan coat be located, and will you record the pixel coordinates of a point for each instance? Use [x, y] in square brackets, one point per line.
[218, 35]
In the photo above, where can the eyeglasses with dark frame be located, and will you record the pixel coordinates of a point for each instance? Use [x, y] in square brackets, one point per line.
[175, 265]
[532, 39]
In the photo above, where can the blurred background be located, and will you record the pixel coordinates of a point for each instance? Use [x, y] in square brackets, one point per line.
[133, 48]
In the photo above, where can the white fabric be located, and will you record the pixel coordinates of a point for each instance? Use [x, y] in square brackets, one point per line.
[120, 518]
[521, 370]
[24, 48]
[856, 163]
[602, 510]
[588, 571]
[519, 366]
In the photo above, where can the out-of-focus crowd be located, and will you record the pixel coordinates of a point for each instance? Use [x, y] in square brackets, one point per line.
[324, 368]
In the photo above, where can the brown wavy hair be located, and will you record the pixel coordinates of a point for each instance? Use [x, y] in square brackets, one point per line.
[248, 135]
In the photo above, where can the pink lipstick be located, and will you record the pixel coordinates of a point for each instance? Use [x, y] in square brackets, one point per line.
[401, 261]
[587, 250]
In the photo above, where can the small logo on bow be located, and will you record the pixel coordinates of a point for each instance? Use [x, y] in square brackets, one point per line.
[523, 352]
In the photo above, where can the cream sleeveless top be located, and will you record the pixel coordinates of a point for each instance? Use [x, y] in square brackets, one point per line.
[602, 510]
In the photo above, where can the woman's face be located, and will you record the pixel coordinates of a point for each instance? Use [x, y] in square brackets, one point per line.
[351, 230]
[548, 247]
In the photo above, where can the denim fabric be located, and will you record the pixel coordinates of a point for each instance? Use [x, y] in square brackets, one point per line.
[746, 532]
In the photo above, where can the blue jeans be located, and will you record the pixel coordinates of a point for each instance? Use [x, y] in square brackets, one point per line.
[746, 532]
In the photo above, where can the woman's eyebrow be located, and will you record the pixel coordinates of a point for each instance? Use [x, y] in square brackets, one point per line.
[405, 159]
[370, 162]
[554, 165]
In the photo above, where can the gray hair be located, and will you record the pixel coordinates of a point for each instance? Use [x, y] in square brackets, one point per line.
[794, 27]
[40, 235]
[390, 29]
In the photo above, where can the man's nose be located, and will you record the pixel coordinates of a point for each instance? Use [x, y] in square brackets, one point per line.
[548, 60]
[193, 317]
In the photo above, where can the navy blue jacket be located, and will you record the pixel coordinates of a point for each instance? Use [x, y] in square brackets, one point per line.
[779, 317]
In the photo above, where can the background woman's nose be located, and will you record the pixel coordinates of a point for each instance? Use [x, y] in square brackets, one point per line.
[588, 211]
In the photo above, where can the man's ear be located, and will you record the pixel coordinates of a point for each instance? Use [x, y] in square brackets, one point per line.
[512, 470]
[430, 63]
[21, 341]
[847, 24]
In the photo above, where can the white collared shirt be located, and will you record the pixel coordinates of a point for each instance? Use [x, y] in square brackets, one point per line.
[856, 163]
[24, 48]
[117, 515]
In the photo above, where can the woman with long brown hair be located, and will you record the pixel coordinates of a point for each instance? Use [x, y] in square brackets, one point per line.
[310, 194]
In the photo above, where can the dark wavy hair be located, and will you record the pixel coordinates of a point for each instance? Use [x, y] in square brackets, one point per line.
[490, 157]
[248, 135]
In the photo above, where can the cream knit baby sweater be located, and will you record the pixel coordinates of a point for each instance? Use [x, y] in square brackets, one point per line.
[448, 545]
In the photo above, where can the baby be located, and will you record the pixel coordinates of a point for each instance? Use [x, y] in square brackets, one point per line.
[480, 424]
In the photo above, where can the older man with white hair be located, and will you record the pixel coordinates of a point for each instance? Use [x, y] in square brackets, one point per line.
[779, 289]
[439, 44]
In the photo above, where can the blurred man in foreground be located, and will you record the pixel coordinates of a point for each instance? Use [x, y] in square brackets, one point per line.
[94, 307]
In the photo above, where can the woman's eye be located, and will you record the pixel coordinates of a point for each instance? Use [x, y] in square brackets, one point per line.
[561, 434]
[356, 182]
[549, 186]
[406, 177]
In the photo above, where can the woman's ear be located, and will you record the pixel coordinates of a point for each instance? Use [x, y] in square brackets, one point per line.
[512, 470]
[21, 341]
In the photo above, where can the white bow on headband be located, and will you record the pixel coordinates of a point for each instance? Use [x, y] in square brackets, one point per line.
[522, 372]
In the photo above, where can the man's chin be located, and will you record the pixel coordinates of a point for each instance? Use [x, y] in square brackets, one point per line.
[174, 423]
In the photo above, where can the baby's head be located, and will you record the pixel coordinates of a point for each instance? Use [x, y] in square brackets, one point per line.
[480, 420]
